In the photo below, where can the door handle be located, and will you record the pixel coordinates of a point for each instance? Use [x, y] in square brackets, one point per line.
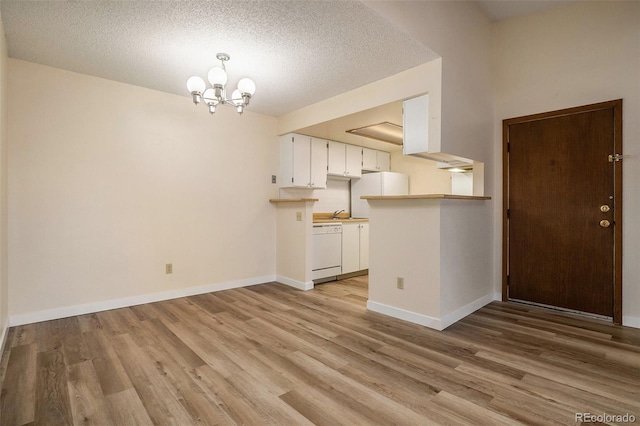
[605, 223]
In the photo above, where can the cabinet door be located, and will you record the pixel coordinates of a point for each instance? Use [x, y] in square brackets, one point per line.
[301, 160]
[353, 162]
[384, 161]
[415, 126]
[336, 158]
[369, 159]
[318, 163]
[364, 246]
[350, 247]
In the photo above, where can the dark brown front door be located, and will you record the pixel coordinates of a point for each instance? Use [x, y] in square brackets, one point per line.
[563, 208]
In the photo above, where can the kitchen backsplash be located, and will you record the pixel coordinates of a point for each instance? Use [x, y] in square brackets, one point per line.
[335, 197]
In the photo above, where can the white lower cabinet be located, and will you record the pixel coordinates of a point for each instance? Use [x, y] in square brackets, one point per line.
[364, 246]
[355, 246]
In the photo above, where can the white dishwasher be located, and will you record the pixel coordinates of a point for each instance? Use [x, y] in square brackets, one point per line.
[327, 250]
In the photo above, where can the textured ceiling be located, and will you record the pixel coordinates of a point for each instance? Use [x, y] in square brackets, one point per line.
[297, 52]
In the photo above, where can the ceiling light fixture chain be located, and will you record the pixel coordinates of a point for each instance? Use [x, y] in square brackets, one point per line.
[217, 94]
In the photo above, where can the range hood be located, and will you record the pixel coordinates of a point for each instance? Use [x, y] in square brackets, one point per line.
[455, 165]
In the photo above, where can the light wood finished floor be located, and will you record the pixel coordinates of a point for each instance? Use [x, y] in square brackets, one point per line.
[270, 354]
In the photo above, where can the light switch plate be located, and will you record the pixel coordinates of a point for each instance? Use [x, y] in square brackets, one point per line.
[299, 216]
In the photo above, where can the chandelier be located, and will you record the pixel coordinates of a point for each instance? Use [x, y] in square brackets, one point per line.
[216, 95]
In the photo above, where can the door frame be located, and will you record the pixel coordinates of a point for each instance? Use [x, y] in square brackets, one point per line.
[616, 105]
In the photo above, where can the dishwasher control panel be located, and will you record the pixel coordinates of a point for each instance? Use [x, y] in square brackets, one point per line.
[327, 228]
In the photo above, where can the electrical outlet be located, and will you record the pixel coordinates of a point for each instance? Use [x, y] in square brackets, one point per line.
[299, 216]
[273, 178]
[400, 283]
[168, 268]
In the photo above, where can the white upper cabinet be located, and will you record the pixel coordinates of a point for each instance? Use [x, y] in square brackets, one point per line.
[318, 175]
[303, 161]
[375, 161]
[353, 163]
[415, 125]
[344, 160]
[384, 161]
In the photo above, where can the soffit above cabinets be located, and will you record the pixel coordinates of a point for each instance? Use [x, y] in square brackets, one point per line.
[337, 129]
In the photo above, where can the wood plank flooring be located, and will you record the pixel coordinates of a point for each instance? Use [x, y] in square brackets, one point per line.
[272, 355]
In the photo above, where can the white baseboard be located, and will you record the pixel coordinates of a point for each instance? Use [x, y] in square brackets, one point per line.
[631, 322]
[427, 321]
[69, 311]
[294, 283]
[404, 315]
[470, 308]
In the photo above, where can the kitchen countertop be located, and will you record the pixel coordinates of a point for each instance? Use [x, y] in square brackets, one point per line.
[425, 197]
[292, 200]
[342, 218]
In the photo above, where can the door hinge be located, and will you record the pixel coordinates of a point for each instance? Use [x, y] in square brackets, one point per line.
[291, 180]
[617, 157]
[508, 213]
[508, 146]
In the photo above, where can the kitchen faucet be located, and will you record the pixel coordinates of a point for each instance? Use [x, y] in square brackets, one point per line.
[336, 213]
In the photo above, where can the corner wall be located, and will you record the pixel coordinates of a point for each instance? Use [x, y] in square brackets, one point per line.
[585, 53]
[4, 281]
[109, 182]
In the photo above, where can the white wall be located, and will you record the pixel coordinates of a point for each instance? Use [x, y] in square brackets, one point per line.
[404, 241]
[336, 196]
[293, 244]
[577, 55]
[424, 175]
[108, 182]
[4, 286]
[461, 34]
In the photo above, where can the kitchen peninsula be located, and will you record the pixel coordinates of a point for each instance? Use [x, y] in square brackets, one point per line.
[430, 257]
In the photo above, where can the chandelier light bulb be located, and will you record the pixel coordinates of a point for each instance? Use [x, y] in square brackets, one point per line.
[236, 96]
[196, 85]
[209, 96]
[217, 76]
[246, 85]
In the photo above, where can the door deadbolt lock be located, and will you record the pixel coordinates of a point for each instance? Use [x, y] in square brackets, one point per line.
[604, 208]
[605, 223]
